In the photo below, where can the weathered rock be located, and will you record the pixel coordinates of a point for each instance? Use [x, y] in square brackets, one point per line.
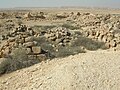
[78, 13]
[11, 39]
[1, 54]
[58, 35]
[28, 15]
[107, 45]
[31, 32]
[53, 38]
[6, 52]
[28, 50]
[22, 40]
[47, 35]
[113, 43]
[58, 40]
[97, 34]
[66, 40]
[35, 43]
[100, 38]
[104, 39]
[109, 38]
[118, 47]
[29, 39]
[86, 34]
[41, 57]
[60, 16]
[28, 44]
[36, 49]
[3, 37]
[16, 45]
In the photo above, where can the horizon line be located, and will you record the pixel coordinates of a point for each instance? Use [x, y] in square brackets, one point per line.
[87, 7]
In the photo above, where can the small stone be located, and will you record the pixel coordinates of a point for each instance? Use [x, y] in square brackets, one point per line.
[104, 39]
[113, 43]
[53, 38]
[12, 39]
[35, 43]
[21, 40]
[28, 44]
[100, 38]
[1, 54]
[28, 50]
[29, 39]
[107, 45]
[41, 57]
[6, 52]
[47, 35]
[58, 40]
[97, 34]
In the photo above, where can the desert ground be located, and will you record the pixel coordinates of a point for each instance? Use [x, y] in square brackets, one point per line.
[60, 49]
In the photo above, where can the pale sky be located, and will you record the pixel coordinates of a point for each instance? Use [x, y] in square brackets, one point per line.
[59, 3]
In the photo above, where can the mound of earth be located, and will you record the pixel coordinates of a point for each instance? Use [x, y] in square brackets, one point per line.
[98, 70]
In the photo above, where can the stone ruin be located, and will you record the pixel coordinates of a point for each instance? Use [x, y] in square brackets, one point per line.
[22, 36]
[102, 28]
[28, 16]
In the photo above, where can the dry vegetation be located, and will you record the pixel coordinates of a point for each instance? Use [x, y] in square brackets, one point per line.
[27, 38]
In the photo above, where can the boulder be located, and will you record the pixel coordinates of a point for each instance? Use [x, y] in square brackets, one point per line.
[36, 49]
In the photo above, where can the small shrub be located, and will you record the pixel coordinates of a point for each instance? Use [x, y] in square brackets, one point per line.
[40, 39]
[4, 66]
[45, 27]
[66, 51]
[18, 60]
[89, 44]
[47, 46]
[68, 26]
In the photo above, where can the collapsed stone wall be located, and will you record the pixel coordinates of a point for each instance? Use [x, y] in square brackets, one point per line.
[102, 28]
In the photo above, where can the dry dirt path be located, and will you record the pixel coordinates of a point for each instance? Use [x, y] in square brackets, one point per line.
[98, 70]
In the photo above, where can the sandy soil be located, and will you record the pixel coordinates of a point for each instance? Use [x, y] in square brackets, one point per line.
[97, 70]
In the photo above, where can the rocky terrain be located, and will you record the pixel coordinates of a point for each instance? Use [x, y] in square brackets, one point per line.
[96, 70]
[28, 37]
